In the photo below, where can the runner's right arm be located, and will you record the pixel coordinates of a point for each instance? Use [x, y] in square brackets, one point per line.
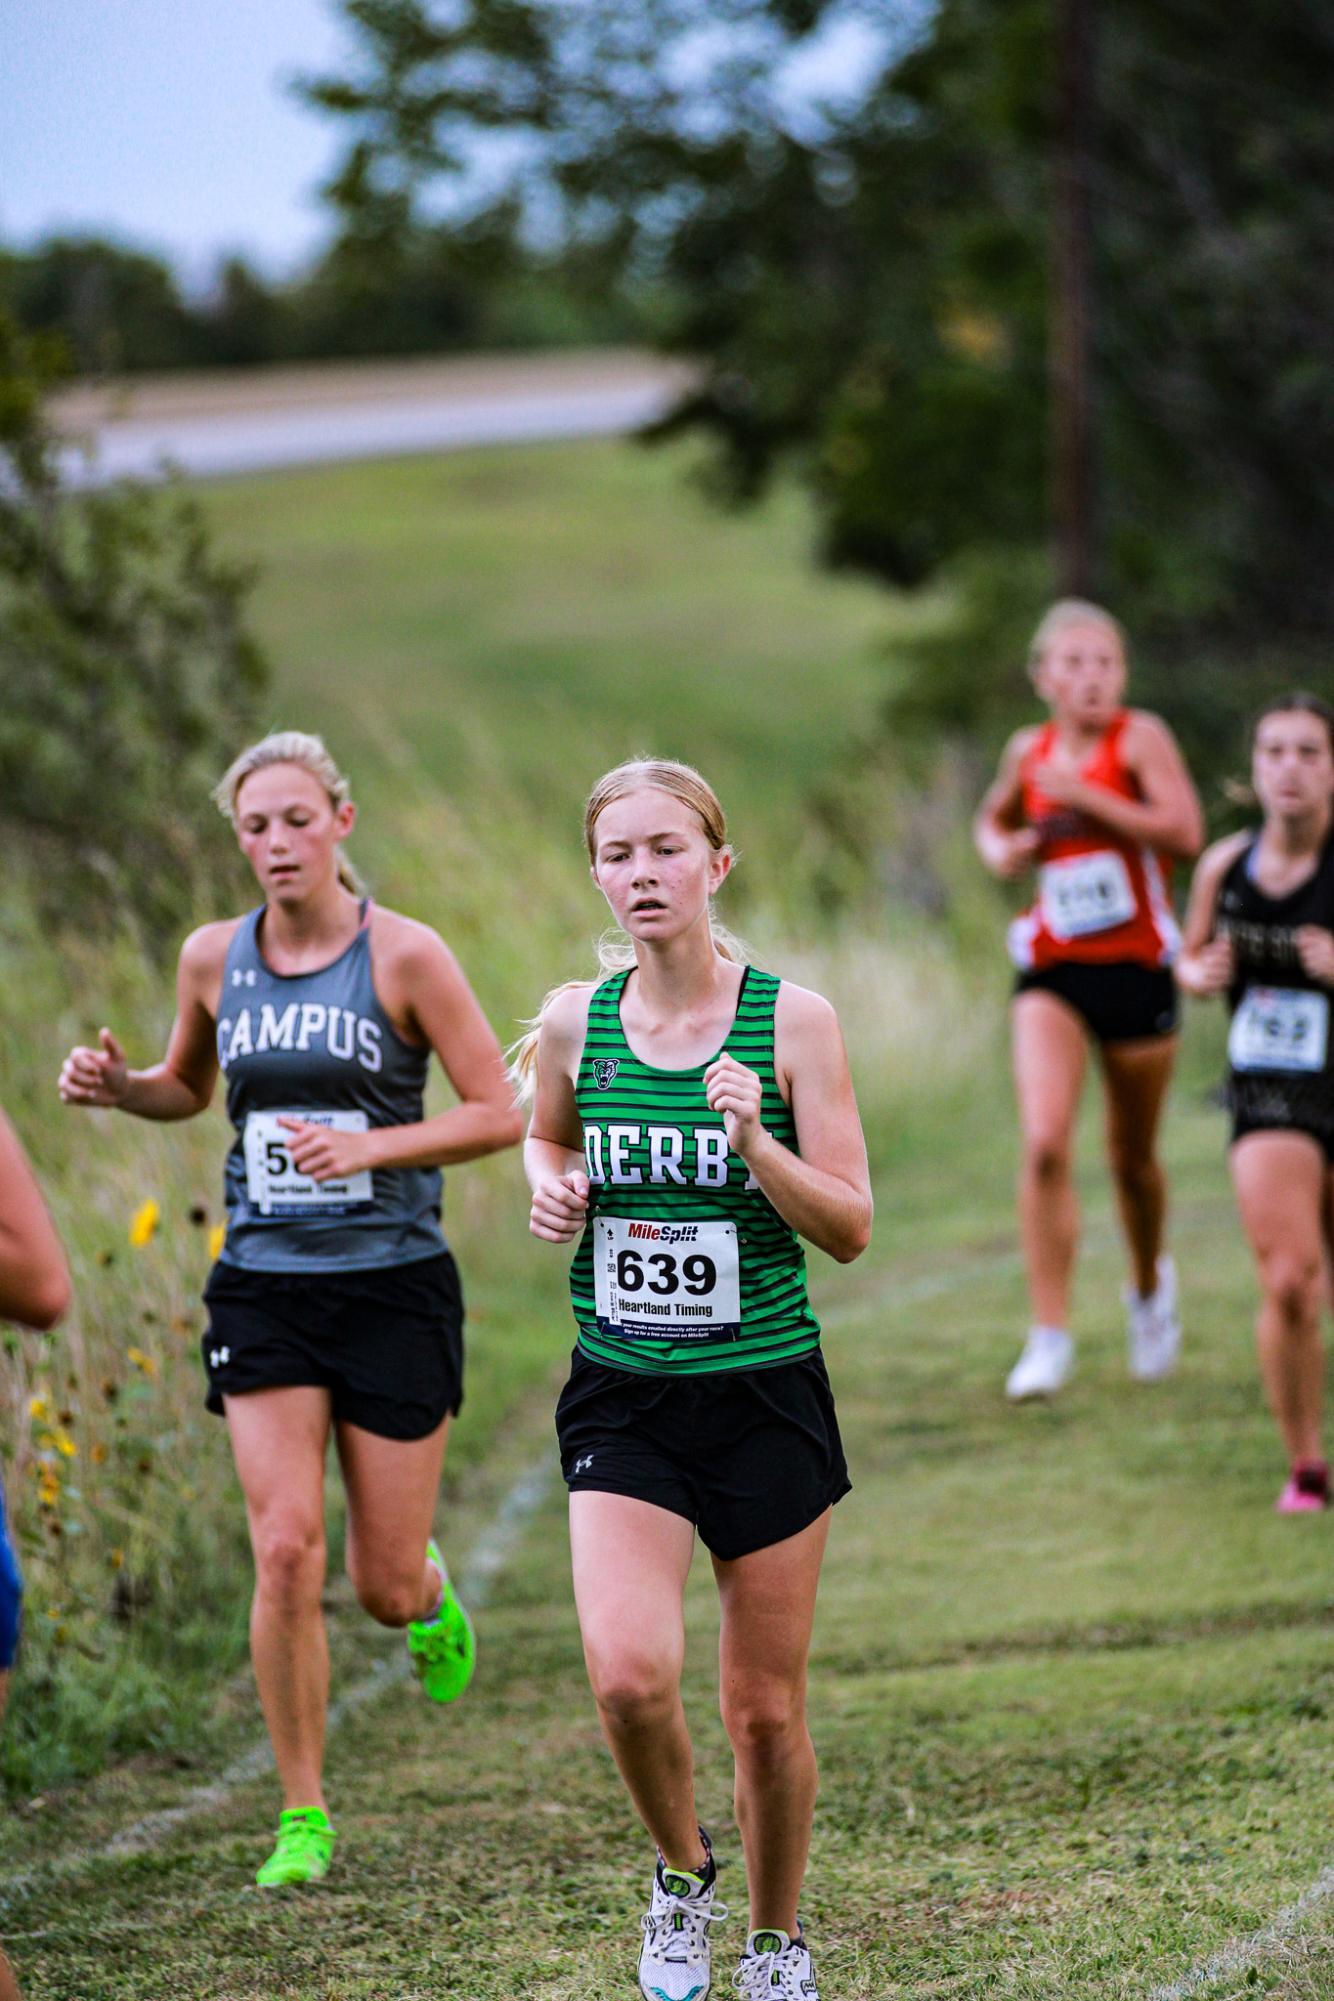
[553, 1153]
[34, 1278]
[1205, 965]
[182, 1083]
[1006, 846]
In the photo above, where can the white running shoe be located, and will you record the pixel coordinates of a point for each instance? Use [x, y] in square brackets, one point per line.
[1153, 1327]
[1048, 1357]
[674, 1961]
[775, 1967]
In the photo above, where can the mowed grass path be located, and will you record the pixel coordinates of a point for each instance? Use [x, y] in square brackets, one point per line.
[1073, 1690]
[1073, 1687]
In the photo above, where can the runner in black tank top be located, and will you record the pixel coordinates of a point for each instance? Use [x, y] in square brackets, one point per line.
[335, 1304]
[694, 1119]
[1260, 929]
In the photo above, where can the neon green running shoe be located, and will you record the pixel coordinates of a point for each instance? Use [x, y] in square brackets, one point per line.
[305, 1848]
[443, 1649]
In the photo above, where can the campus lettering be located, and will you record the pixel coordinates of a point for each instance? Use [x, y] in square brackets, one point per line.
[303, 1026]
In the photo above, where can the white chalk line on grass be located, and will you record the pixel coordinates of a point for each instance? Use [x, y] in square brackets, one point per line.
[1243, 1952]
[486, 1560]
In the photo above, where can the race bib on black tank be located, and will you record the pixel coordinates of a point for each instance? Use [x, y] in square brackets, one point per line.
[1280, 1028]
[275, 1185]
[673, 1281]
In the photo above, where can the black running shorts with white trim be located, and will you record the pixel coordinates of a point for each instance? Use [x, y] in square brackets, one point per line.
[750, 1456]
[386, 1343]
[1120, 1002]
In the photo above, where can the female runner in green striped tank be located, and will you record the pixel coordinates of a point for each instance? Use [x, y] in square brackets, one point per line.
[693, 1119]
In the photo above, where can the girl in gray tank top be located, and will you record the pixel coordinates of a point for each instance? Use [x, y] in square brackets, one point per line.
[318, 1046]
[335, 1304]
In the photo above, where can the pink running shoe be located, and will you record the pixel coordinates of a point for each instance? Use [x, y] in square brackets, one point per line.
[1307, 1491]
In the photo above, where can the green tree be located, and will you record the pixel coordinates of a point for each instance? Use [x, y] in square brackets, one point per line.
[127, 675]
[115, 308]
[866, 286]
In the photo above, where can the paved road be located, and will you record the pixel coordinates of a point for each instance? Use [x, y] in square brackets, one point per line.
[210, 429]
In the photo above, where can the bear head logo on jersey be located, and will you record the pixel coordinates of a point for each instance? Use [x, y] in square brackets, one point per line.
[604, 1069]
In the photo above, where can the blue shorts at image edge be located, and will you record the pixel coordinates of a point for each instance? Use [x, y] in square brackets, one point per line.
[11, 1593]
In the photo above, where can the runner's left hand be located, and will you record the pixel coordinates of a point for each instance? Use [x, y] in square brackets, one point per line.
[737, 1093]
[325, 1154]
[1315, 949]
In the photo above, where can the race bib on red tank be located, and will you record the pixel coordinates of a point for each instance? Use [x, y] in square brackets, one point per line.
[1085, 894]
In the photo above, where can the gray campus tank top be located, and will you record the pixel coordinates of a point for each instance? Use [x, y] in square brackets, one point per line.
[319, 1044]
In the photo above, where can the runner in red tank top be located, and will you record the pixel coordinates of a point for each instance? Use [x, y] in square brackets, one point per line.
[1097, 799]
[1103, 897]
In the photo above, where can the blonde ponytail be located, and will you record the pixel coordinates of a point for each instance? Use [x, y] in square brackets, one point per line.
[289, 747]
[615, 951]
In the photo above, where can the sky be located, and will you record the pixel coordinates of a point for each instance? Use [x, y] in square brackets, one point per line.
[166, 124]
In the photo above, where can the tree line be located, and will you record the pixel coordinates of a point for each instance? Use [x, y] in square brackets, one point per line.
[119, 310]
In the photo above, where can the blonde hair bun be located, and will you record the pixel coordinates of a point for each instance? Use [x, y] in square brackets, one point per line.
[289, 747]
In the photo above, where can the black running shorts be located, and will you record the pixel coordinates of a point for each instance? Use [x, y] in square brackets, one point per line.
[386, 1344]
[1322, 1135]
[1120, 1002]
[750, 1456]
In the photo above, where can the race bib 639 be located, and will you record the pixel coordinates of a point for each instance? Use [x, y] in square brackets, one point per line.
[667, 1280]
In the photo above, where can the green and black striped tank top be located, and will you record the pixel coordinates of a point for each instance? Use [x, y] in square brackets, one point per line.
[684, 1267]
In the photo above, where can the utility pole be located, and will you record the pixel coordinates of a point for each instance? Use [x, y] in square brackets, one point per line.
[1071, 388]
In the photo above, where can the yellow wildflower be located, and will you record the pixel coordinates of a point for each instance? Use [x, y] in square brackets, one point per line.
[142, 1361]
[144, 1223]
[37, 1408]
[65, 1446]
[217, 1237]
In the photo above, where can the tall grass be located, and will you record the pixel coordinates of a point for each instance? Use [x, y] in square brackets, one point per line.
[470, 775]
[123, 1494]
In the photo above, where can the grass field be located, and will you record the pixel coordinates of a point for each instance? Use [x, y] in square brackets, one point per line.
[1073, 1686]
[1072, 1691]
[523, 619]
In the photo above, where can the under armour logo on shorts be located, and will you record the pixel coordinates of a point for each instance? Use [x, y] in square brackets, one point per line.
[218, 1358]
[582, 1465]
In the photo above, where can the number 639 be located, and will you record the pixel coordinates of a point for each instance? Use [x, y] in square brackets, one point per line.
[695, 1274]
